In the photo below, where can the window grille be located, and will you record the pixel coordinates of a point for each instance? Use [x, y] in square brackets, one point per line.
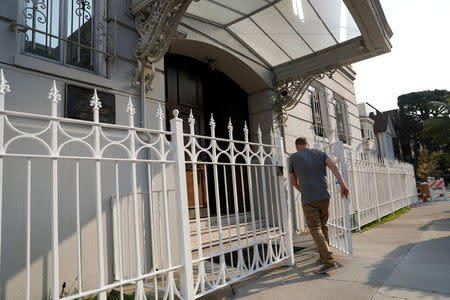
[317, 97]
[66, 31]
[341, 118]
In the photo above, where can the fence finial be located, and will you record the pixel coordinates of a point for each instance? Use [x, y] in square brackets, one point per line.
[259, 132]
[245, 131]
[212, 123]
[96, 105]
[95, 101]
[54, 97]
[230, 128]
[4, 86]
[54, 94]
[131, 111]
[191, 121]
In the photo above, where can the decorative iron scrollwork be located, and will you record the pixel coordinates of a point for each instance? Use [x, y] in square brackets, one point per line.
[289, 92]
[83, 9]
[156, 23]
[36, 11]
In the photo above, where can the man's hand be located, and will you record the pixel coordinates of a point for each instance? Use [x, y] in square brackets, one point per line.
[294, 181]
[330, 164]
[344, 191]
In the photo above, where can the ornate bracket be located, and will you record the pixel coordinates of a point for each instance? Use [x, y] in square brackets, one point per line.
[156, 22]
[289, 92]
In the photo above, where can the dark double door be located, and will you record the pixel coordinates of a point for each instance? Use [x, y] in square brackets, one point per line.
[192, 86]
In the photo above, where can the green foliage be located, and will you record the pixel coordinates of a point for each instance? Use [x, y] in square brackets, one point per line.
[427, 166]
[442, 160]
[423, 118]
[115, 295]
[385, 219]
[437, 131]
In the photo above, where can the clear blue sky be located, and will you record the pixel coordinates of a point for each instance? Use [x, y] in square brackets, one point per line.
[420, 56]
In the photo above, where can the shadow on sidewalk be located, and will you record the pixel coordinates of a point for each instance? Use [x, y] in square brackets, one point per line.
[421, 268]
[276, 278]
[439, 225]
[417, 270]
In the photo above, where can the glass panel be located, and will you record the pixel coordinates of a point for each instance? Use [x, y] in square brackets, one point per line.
[80, 31]
[330, 12]
[244, 6]
[310, 27]
[271, 21]
[335, 15]
[256, 39]
[42, 15]
[352, 28]
[213, 12]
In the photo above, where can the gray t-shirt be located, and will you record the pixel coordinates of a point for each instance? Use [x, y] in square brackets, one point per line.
[310, 169]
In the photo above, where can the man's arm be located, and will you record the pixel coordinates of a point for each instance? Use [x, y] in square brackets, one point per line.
[294, 181]
[330, 164]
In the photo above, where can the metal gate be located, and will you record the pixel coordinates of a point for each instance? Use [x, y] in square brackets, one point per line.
[63, 175]
[339, 216]
[250, 227]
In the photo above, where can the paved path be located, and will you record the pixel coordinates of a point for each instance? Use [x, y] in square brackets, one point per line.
[408, 258]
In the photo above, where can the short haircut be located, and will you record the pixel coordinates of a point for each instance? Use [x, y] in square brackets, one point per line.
[301, 141]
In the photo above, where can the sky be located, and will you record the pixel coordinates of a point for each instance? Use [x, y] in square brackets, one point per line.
[420, 55]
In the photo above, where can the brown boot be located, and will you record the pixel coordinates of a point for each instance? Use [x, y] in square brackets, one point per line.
[326, 267]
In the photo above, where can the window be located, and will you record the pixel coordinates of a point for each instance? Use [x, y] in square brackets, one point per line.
[371, 134]
[317, 97]
[341, 118]
[61, 30]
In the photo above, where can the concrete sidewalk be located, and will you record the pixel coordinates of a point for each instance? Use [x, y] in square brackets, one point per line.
[408, 258]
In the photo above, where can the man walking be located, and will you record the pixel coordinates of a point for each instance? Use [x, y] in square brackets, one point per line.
[308, 176]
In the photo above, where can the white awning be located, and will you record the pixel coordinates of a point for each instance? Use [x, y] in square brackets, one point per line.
[282, 32]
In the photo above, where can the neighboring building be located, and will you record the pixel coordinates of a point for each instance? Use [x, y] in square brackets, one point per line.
[256, 62]
[378, 131]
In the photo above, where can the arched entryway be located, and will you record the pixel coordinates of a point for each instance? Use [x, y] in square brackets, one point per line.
[192, 85]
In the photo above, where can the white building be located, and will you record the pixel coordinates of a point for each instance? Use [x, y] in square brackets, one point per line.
[261, 63]
[377, 130]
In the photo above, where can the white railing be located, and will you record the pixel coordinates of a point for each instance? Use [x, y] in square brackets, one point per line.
[339, 212]
[59, 177]
[380, 187]
[252, 214]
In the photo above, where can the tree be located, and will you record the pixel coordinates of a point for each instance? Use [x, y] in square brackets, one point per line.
[442, 160]
[423, 120]
[427, 166]
[437, 129]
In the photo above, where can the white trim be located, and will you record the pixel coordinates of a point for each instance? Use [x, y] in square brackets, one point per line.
[56, 68]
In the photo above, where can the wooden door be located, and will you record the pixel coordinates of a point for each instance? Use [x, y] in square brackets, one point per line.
[191, 85]
[184, 90]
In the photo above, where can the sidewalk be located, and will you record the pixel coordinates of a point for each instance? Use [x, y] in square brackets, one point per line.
[408, 258]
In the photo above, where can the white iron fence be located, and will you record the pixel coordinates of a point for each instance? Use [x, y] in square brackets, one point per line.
[340, 233]
[88, 208]
[91, 208]
[378, 187]
[251, 228]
